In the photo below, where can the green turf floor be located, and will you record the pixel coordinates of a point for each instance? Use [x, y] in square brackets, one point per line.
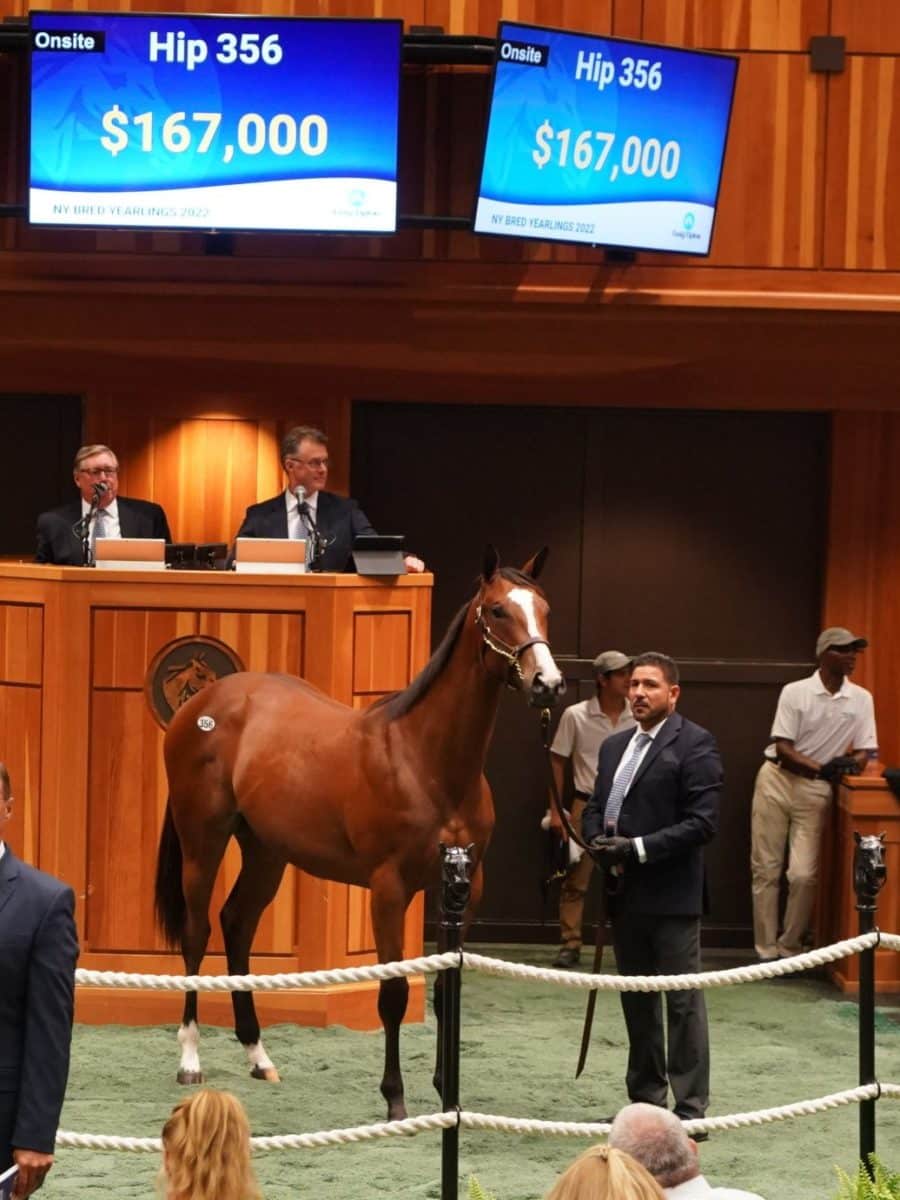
[772, 1043]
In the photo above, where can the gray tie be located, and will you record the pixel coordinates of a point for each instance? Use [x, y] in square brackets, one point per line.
[621, 784]
[100, 529]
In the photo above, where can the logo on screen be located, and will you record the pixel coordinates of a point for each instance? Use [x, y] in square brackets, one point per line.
[527, 54]
[69, 40]
[688, 221]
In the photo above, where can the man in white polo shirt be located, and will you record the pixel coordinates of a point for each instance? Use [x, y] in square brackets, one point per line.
[818, 720]
[583, 728]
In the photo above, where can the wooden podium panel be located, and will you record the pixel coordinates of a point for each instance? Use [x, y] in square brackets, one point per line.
[866, 805]
[85, 756]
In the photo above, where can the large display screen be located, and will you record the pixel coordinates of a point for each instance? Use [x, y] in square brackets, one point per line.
[214, 122]
[598, 140]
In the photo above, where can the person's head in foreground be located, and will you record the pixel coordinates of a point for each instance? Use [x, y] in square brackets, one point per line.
[603, 1173]
[206, 1150]
[656, 1137]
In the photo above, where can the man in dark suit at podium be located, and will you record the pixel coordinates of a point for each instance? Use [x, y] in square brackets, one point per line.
[338, 520]
[655, 805]
[38, 951]
[96, 473]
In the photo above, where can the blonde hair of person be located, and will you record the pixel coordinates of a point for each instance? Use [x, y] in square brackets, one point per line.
[206, 1150]
[602, 1173]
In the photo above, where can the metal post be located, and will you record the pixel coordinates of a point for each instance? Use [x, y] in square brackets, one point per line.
[868, 879]
[455, 888]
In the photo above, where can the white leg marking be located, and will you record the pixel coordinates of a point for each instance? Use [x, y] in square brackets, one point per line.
[189, 1040]
[546, 667]
[257, 1057]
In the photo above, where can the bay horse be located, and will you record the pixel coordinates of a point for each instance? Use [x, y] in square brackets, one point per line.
[360, 797]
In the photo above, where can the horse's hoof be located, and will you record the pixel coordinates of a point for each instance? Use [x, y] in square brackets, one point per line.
[190, 1076]
[270, 1074]
[397, 1112]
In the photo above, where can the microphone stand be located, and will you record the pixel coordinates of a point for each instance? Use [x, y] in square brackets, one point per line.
[82, 530]
[318, 542]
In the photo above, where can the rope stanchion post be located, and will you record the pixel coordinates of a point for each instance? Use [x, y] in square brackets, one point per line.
[455, 889]
[868, 879]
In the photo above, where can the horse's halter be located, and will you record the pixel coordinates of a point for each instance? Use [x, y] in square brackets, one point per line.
[512, 654]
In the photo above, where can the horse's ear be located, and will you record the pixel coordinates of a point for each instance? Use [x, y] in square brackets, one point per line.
[491, 563]
[535, 565]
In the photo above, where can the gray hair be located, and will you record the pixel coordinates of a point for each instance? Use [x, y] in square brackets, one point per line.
[290, 443]
[89, 452]
[656, 1138]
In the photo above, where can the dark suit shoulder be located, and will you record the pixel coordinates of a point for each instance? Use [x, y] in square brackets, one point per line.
[263, 507]
[39, 883]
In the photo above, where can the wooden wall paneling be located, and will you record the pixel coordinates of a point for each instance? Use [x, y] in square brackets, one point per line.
[770, 206]
[21, 643]
[870, 26]
[126, 639]
[360, 935]
[66, 736]
[628, 18]
[862, 216]
[126, 784]
[381, 651]
[205, 458]
[20, 750]
[863, 572]
[481, 16]
[735, 24]
[264, 640]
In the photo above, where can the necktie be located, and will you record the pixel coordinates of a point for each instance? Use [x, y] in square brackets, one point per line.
[100, 530]
[621, 784]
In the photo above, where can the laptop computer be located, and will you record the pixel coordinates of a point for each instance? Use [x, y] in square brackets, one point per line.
[130, 554]
[270, 556]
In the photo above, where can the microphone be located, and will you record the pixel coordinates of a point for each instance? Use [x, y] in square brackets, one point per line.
[100, 489]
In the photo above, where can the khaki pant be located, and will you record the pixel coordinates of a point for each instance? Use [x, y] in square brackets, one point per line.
[788, 810]
[574, 887]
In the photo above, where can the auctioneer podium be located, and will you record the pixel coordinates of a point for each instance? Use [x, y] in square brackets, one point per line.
[85, 755]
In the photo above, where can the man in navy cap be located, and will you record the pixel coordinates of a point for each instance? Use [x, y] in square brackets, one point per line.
[823, 725]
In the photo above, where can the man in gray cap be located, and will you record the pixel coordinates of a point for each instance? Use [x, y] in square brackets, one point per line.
[819, 722]
[583, 728]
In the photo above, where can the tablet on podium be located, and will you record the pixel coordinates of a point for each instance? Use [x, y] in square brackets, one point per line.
[270, 556]
[131, 554]
[379, 554]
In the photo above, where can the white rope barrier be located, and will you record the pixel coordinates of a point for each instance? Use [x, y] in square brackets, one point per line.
[432, 963]
[428, 965]
[498, 1124]
[673, 983]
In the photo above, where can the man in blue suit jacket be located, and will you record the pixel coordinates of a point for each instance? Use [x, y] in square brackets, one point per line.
[655, 806]
[38, 951]
[304, 456]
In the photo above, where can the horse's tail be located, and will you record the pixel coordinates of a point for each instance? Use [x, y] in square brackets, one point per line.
[170, 906]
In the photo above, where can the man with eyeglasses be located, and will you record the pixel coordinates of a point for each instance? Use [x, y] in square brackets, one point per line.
[96, 474]
[337, 519]
[824, 727]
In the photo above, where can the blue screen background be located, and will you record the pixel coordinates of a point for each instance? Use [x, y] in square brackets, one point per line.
[692, 107]
[346, 71]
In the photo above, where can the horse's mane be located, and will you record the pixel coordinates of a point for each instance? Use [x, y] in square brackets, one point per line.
[398, 704]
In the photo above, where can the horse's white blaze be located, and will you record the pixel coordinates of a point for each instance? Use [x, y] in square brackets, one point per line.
[189, 1040]
[257, 1057]
[546, 667]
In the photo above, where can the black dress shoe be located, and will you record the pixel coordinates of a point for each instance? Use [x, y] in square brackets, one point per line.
[569, 956]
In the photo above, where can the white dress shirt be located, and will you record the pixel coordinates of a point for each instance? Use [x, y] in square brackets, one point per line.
[296, 527]
[698, 1189]
[641, 755]
[824, 724]
[112, 529]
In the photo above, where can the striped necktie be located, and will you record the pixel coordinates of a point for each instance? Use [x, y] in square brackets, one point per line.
[621, 784]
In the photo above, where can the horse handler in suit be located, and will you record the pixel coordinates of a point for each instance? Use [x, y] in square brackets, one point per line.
[96, 474]
[338, 519]
[38, 951]
[654, 807]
